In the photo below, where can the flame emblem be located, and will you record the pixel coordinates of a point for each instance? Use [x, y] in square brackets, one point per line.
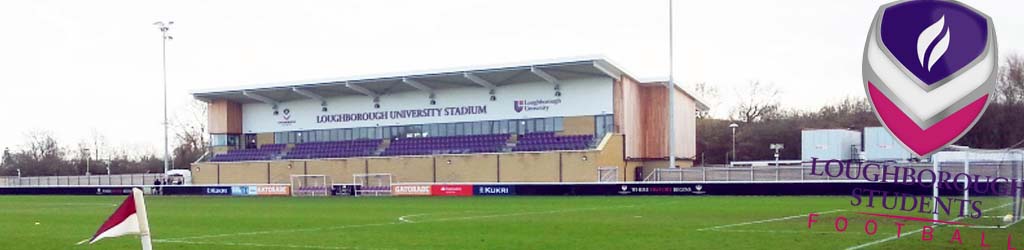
[932, 43]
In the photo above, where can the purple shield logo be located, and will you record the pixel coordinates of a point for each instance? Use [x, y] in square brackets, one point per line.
[929, 68]
[518, 105]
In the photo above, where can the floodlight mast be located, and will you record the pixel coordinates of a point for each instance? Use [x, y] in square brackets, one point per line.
[670, 91]
[164, 29]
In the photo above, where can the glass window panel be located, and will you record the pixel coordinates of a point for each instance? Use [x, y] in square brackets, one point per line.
[218, 140]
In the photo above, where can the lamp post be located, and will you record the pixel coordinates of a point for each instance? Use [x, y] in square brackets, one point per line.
[777, 147]
[733, 127]
[164, 28]
[86, 162]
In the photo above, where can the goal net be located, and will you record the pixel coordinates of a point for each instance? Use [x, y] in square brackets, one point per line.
[311, 185]
[376, 184]
[666, 174]
[607, 174]
[982, 188]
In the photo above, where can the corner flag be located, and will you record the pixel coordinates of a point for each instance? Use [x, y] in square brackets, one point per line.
[129, 218]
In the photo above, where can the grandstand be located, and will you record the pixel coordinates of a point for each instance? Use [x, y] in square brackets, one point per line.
[547, 121]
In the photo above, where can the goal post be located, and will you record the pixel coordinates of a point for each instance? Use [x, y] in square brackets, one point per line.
[991, 177]
[373, 184]
[666, 174]
[311, 185]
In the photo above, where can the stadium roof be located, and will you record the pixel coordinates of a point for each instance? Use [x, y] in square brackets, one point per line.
[428, 81]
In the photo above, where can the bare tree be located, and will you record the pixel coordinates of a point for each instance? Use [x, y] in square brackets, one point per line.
[190, 134]
[1011, 80]
[756, 102]
[708, 94]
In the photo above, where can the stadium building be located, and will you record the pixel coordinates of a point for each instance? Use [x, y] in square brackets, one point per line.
[574, 120]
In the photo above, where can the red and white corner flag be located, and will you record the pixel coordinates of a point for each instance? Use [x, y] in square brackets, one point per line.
[129, 218]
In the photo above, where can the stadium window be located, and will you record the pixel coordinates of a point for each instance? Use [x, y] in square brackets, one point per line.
[549, 124]
[233, 140]
[603, 124]
[218, 140]
[559, 124]
[609, 123]
[280, 137]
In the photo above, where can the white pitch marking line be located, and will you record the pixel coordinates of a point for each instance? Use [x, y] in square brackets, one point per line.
[768, 220]
[282, 231]
[389, 223]
[276, 246]
[774, 231]
[526, 213]
[405, 218]
[936, 227]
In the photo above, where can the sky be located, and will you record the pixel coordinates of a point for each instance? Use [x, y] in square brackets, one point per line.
[80, 69]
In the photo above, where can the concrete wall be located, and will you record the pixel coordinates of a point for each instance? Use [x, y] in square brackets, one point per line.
[404, 169]
[340, 171]
[564, 166]
[530, 167]
[264, 139]
[578, 125]
[467, 168]
[250, 172]
[204, 173]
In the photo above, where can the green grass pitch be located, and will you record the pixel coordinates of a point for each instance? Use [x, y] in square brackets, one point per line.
[469, 223]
